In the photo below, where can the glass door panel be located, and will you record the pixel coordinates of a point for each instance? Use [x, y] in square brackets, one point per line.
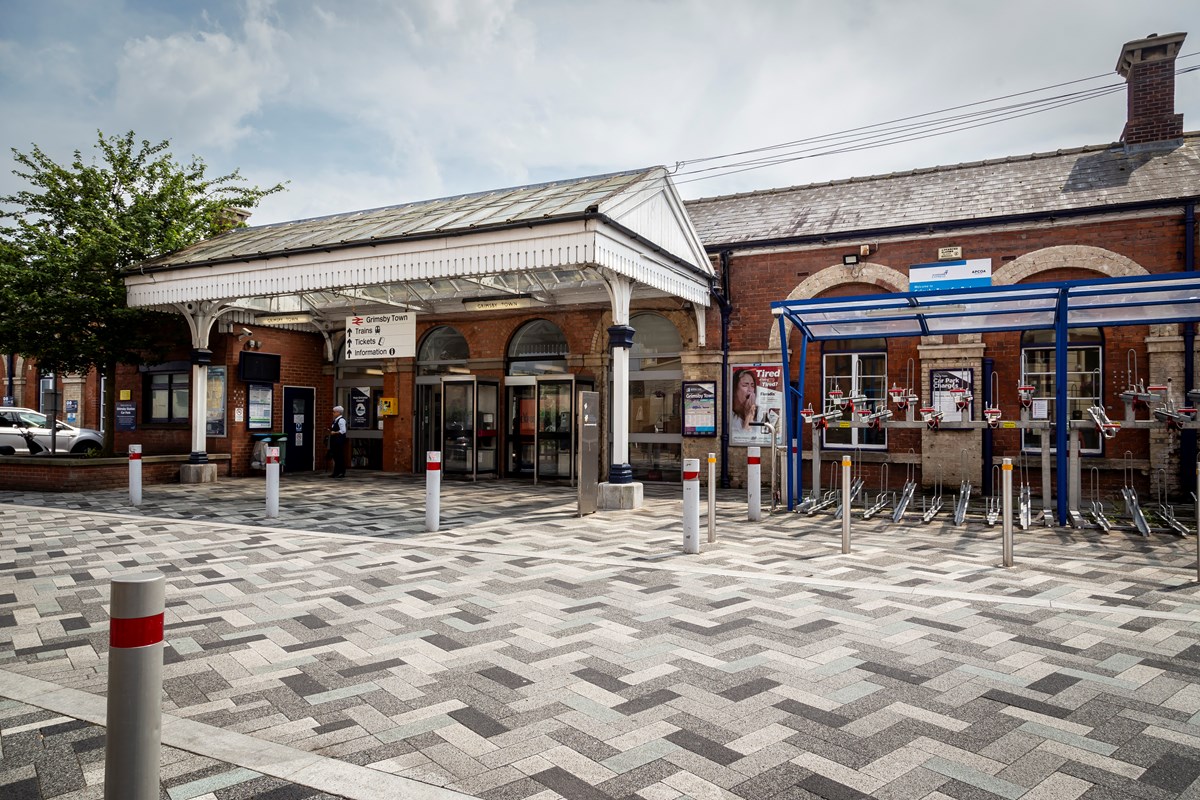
[521, 408]
[487, 431]
[554, 428]
[458, 433]
[428, 417]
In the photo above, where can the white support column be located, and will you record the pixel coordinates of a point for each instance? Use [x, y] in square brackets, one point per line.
[620, 339]
[200, 316]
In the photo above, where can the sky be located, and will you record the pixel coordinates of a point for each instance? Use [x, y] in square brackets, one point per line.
[379, 102]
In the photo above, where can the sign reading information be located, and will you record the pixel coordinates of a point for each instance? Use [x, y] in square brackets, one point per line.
[381, 336]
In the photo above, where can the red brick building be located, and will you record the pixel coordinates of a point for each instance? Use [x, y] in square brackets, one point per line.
[515, 299]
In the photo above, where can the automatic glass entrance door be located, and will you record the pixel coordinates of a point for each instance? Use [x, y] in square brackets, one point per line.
[540, 425]
[427, 419]
[520, 404]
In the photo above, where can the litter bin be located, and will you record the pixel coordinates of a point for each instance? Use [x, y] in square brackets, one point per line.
[258, 457]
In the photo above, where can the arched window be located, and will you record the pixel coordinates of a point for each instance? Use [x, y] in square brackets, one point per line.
[538, 348]
[855, 366]
[1085, 348]
[443, 350]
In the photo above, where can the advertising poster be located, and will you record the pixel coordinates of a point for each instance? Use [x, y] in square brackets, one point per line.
[942, 382]
[699, 408]
[214, 424]
[755, 395]
[360, 405]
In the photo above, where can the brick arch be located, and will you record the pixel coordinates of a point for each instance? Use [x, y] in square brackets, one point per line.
[1077, 256]
[836, 275]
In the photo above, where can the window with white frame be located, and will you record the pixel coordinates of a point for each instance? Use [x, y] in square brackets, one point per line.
[1084, 371]
[855, 367]
[168, 397]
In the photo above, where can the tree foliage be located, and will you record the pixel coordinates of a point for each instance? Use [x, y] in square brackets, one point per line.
[67, 238]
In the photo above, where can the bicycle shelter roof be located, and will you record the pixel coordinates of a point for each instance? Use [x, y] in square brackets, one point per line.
[1138, 300]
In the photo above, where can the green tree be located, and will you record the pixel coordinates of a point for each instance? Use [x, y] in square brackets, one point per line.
[67, 238]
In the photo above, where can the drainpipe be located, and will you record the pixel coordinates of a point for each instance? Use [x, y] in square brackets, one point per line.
[1187, 440]
[726, 306]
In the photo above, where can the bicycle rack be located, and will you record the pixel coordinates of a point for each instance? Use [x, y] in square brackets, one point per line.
[992, 412]
[993, 508]
[1098, 516]
[831, 495]
[885, 498]
[935, 503]
[856, 486]
[1024, 497]
[909, 490]
[1132, 507]
[964, 490]
[1165, 511]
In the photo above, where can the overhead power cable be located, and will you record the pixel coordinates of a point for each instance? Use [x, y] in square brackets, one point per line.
[904, 129]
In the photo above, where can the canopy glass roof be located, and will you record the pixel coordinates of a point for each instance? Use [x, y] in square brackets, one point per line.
[1140, 300]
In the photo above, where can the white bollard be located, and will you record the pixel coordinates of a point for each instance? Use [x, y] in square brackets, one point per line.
[433, 490]
[846, 510]
[691, 505]
[1006, 515]
[135, 474]
[272, 482]
[712, 497]
[754, 482]
[135, 662]
[1197, 497]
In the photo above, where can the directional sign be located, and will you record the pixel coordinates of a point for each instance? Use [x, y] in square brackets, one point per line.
[381, 336]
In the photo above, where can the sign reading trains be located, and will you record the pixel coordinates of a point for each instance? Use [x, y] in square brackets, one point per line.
[381, 336]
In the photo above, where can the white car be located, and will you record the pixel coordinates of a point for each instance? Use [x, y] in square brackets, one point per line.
[79, 441]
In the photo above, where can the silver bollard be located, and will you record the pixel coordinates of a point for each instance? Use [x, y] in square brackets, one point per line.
[433, 490]
[1006, 516]
[135, 474]
[846, 510]
[272, 482]
[712, 497]
[691, 505]
[754, 483]
[135, 662]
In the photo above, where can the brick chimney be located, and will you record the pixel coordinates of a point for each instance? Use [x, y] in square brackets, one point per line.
[1148, 67]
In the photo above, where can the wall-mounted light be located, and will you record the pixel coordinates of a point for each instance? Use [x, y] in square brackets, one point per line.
[850, 260]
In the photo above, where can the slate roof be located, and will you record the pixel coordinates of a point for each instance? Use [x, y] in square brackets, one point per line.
[1086, 177]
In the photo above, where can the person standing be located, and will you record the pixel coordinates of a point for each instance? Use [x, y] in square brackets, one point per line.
[337, 443]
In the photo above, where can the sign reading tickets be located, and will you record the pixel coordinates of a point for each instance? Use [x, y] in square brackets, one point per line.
[381, 336]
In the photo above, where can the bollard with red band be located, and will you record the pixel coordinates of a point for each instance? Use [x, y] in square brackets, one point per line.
[691, 505]
[135, 474]
[1007, 517]
[712, 497]
[754, 483]
[135, 660]
[433, 490]
[272, 482]
[846, 510]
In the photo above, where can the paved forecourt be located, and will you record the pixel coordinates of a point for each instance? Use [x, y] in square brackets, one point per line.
[525, 652]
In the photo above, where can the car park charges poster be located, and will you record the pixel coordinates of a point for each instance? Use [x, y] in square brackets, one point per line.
[755, 395]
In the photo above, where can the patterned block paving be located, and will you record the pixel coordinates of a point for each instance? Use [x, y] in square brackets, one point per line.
[543, 655]
[45, 755]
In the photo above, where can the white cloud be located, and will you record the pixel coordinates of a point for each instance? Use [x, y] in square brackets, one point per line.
[204, 87]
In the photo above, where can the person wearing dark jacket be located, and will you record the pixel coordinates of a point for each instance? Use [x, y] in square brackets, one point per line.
[337, 443]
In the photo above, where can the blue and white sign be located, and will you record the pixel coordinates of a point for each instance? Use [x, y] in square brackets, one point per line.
[969, 274]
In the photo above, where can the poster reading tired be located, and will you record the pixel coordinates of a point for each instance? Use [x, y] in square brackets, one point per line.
[755, 395]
